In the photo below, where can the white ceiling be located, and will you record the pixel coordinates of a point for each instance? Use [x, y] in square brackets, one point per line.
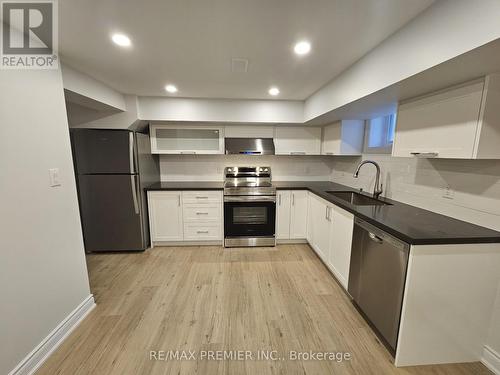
[191, 42]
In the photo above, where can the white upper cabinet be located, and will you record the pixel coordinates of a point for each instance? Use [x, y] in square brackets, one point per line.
[462, 123]
[297, 140]
[186, 139]
[343, 138]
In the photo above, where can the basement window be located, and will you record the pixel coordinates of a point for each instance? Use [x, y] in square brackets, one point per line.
[379, 135]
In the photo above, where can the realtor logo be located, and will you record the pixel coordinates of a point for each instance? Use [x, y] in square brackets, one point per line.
[29, 35]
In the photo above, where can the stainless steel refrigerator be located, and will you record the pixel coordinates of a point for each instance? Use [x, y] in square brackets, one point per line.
[112, 168]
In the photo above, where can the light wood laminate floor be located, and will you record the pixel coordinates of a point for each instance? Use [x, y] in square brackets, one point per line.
[208, 299]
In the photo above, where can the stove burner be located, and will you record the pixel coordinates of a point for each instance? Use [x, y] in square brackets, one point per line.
[248, 181]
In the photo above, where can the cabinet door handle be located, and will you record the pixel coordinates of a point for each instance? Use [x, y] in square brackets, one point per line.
[201, 197]
[202, 213]
[297, 153]
[425, 154]
[188, 152]
[179, 200]
[326, 212]
[279, 200]
[293, 199]
[202, 231]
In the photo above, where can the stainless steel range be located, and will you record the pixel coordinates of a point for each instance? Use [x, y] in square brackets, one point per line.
[249, 207]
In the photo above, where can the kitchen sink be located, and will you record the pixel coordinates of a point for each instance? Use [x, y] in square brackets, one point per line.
[357, 199]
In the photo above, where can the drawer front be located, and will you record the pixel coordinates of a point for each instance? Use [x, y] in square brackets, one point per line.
[202, 212]
[202, 232]
[202, 197]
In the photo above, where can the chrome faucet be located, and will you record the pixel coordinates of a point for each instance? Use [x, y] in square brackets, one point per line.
[377, 189]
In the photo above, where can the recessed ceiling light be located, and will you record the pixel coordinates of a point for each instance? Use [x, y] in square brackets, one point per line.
[274, 91]
[121, 39]
[171, 89]
[302, 48]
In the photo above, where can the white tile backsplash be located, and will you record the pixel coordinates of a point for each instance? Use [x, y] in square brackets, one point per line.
[422, 183]
[211, 167]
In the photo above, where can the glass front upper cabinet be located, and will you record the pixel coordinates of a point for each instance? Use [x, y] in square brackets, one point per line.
[185, 139]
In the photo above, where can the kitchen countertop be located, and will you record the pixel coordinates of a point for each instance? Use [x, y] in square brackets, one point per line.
[187, 185]
[411, 224]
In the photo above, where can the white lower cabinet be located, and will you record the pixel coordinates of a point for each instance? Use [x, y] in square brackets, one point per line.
[298, 214]
[310, 219]
[176, 216]
[165, 215]
[320, 226]
[202, 231]
[329, 232]
[291, 214]
[202, 213]
[339, 256]
[283, 214]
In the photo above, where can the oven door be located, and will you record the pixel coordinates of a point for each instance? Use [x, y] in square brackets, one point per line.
[249, 216]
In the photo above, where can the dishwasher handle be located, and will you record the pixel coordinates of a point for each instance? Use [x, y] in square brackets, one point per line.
[379, 236]
[375, 238]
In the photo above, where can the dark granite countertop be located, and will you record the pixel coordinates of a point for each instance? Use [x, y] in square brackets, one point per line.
[187, 185]
[411, 224]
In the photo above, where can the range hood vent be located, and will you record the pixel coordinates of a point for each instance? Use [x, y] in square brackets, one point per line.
[250, 146]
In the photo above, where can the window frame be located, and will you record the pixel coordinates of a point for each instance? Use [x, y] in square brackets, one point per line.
[390, 122]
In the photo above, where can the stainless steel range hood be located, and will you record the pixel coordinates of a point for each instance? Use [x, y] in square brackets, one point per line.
[250, 146]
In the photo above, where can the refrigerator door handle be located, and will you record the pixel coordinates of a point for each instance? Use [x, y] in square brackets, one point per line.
[131, 151]
[134, 194]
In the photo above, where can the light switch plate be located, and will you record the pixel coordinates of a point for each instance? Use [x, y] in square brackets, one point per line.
[54, 177]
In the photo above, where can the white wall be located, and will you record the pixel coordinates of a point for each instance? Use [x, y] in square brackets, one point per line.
[493, 340]
[220, 110]
[43, 274]
[88, 87]
[120, 120]
[443, 31]
[211, 167]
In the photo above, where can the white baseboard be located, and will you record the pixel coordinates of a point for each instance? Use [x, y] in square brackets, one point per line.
[491, 359]
[186, 243]
[55, 338]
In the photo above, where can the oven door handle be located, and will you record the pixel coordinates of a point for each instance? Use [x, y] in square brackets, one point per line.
[250, 198]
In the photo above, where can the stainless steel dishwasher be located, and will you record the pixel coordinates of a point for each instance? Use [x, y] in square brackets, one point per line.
[377, 278]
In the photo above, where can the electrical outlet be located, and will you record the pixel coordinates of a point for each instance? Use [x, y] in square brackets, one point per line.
[448, 193]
